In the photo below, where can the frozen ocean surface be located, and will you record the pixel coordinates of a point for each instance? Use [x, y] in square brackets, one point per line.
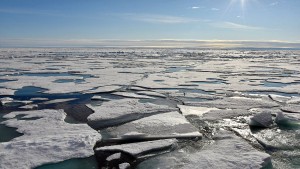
[149, 108]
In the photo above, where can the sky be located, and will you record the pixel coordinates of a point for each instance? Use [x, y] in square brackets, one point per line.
[217, 23]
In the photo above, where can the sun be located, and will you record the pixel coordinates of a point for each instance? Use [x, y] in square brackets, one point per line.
[243, 3]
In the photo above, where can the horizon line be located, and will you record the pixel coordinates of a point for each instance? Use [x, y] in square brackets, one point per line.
[147, 43]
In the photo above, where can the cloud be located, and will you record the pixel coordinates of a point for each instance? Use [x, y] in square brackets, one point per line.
[215, 9]
[274, 3]
[158, 18]
[231, 25]
[195, 7]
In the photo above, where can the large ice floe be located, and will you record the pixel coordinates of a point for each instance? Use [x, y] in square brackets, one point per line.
[171, 124]
[47, 139]
[121, 111]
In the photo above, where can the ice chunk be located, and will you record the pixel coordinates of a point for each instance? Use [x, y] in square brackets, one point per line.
[288, 120]
[263, 119]
[124, 166]
[6, 100]
[30, 106]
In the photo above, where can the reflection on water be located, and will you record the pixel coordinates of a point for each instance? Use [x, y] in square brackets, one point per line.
[29, 91]
[274, 84]
[69, 80]
[4, 80]
[7, 133]
[53, 74]
[177, 69]
[275, 93]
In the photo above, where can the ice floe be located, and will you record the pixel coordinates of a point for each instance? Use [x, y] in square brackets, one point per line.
[47, 139]
[121, 111]
[171, 124]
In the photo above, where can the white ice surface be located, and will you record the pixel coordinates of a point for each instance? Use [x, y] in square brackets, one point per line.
[190, 110]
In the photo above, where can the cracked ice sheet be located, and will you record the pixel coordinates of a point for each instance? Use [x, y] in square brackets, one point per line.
[227, 152]
[46, 140]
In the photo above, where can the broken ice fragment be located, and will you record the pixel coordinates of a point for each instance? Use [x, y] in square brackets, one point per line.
[263, 119]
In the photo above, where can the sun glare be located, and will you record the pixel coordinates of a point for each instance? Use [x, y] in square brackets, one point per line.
[242, 3]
